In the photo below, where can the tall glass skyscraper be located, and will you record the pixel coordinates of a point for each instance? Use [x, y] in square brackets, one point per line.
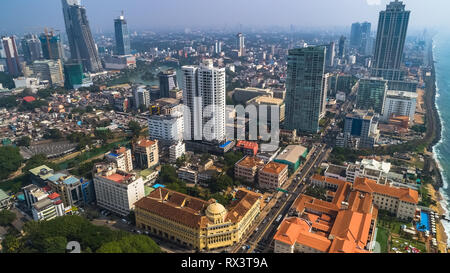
[371, 94]
[304, 88]
[390, 43]
[81, 43]
[122, 36]
[360, 36]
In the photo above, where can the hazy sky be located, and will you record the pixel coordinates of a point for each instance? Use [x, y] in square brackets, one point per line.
[34, 15]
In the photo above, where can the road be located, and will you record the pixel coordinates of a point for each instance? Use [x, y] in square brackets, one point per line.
[260, 238]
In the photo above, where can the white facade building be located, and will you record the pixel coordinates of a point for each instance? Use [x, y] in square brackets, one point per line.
[176, 151]
[400, 103]
[166, 127]
[204, 95]
[116, 190]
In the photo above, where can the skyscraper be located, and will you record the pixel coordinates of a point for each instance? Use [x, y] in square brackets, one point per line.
[31, 48]
[304, 88]
[360, 36]
[341, 53]
[330, 54]
[241, 44]
[81, 43]
[355, 35]
[203, 90]
[51, 46]
[371, 94]
[366, 29]
[122, 37]
[167, 82]
[12, 57]
[390, 41]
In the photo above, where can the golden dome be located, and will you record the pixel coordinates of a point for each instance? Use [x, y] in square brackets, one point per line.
[216, 212]
[215, 208]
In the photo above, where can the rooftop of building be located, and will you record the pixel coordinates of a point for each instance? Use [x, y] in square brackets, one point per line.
[340, 226]
[247, 144]
[146, 143]
[274, 168]
[3, 195]
[401, 94]
[250, 162]
[404, 194]
[191, 211]
[292, 153]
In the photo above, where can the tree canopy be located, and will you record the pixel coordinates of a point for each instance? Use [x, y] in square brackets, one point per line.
[10, 161]
[52, 237]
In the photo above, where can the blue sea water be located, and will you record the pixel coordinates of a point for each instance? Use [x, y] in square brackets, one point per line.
[441, 52]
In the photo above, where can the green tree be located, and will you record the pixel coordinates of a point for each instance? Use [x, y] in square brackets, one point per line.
[53, 134]
[7, 80]
[7, 217]
[9, 102]
[11, 244]
[131, 244]
[135, 128]
[24, 141]
[55, 244]
[10, 161]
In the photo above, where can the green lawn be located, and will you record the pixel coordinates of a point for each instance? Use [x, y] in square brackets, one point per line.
[382, 239]
[401, 243]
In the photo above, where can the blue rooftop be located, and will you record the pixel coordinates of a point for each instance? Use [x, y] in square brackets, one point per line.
[157, 186]
[71, 180]
[225, 144]
[113, 154]
[56, 177]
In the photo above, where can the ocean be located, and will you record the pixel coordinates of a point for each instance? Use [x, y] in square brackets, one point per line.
[441, 55]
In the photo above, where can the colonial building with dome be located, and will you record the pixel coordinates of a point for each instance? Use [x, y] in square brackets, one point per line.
[196, 223]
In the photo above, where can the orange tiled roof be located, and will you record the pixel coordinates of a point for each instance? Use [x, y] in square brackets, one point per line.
[250, 162]
[371, 186]
[274, 168]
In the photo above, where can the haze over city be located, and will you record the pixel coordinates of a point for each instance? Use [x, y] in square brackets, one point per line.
[159, 14]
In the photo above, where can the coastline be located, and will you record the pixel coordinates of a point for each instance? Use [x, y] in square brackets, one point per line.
[434, 167]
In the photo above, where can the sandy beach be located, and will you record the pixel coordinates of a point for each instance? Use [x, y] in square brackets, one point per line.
[441, 236]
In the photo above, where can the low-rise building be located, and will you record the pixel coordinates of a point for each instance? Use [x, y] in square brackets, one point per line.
[399, 201]
[247, 147]
[345, 224]
[5, 200]
[273, 175]
[292, 156]
[47, 209]
[247, 168]
[187, 174]
[195, 223]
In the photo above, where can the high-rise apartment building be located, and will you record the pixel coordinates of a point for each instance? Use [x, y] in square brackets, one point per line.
[51, 46]
[371, 94]
[360, 36]
[82, 46]
[341, 51]
[141, 97]
[240, 44]
[362, 125]
[204, 95]
[146, 153]
[122, 158]
[123, 46]
[167, 82]
[390, 41]
[304, 88]
[31, 48]
[12, 56]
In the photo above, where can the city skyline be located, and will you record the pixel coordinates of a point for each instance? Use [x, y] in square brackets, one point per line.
[156, 16]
